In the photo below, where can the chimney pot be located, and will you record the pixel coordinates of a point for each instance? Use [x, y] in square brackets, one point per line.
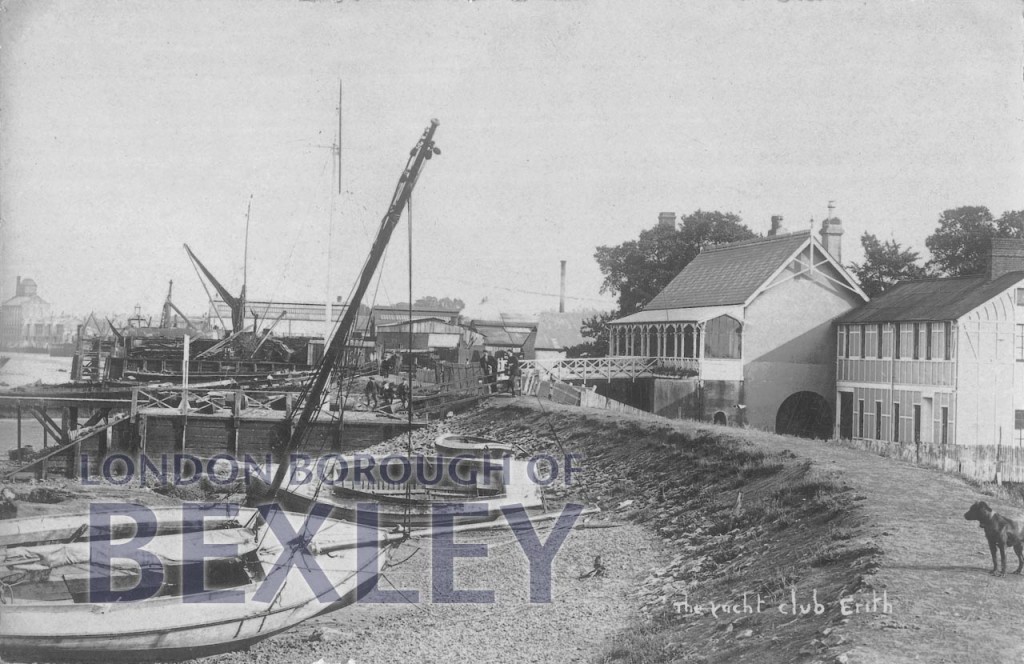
[667, 219]
[776, 228]
[832, 237]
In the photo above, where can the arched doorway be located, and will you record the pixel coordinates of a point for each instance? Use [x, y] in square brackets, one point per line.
[805, 414]
[720, 418]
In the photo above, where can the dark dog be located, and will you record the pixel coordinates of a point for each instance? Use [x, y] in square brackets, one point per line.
[999, 531]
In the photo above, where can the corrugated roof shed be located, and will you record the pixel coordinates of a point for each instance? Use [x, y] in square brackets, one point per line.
[495, 335]
[728, 274]
[932, 299]
[557, 331]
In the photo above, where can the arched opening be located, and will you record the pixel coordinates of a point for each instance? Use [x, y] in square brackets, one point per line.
[720, 418]
[652, 342]
[689, 349]
[670, 341]
[805, 414]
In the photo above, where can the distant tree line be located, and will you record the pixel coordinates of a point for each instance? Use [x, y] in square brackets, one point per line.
[637, 270]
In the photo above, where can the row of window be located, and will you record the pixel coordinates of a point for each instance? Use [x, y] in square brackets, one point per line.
[895, 424]
[909, 341]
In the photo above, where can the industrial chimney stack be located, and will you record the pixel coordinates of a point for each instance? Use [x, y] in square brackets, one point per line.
[561, 294]
[776, 228]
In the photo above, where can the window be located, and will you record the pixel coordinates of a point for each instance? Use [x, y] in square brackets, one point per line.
[895, 422]
[841, 344]
[928, 341]
[917, 423]
[897, 340]
[879, 341]
[878, 420]
[945, 424]
[1020, 297]
[1018, 426]
[860, 418]
[917, 341]
[948, 345]
[1018, 344]
[863, 340]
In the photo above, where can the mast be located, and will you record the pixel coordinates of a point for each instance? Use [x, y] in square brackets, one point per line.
[311, 396]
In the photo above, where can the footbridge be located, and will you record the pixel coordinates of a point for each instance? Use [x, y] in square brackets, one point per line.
[590, 368]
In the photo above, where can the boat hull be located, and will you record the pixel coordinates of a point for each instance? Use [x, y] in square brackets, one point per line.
[453, 444]
[170, 627]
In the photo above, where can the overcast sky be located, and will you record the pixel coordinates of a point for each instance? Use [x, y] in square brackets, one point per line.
[130, 128]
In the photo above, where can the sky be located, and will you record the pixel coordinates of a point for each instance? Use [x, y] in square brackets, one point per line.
[130, 128]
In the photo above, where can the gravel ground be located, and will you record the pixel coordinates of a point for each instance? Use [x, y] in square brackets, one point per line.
[569, 629]
[573, 627]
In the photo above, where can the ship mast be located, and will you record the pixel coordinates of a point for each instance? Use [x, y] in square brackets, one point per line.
[311, 396]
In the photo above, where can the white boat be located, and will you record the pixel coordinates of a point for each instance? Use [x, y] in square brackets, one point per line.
[46, 612]
[412, 503]
[453, 444]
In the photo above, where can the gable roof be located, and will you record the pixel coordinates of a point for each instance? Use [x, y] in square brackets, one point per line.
[557, 331]
[932, 299]
[728, 274]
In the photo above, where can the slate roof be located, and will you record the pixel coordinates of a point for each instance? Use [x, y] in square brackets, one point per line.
[932, 299]
[728, 274]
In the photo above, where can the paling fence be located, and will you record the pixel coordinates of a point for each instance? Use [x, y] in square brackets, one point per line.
[984, 463]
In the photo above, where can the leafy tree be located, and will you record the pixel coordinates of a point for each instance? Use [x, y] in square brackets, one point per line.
[431, 302]
[1011, 224]
[638, 269]
[596, 328]
[885, 263]
[960, 245]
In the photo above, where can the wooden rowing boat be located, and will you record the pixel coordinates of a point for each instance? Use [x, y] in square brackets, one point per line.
[46, 571]
[411, 503]
[453, 444]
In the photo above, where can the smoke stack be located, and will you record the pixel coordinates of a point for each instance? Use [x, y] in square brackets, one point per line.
[832, 237]
[561, 294]
[17, 288]
[667, 220]
[776, 228]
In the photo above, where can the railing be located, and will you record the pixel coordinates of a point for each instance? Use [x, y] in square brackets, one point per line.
[591, 368]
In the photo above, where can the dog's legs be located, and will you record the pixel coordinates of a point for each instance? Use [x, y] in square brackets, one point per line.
[992, 549]
[1018, 548]
[1002, 555]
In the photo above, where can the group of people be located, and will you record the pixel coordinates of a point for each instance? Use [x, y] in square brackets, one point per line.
[500, 363]
[384, 395]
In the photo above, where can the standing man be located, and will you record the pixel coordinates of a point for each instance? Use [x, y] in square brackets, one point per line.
[371, 393]
[513, 372]
[485, 366]
[492, 363]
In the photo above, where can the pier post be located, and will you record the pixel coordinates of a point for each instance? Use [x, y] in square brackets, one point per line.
[19, 428]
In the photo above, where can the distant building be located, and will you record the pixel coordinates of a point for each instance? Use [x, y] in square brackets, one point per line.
[507, 332]
[555, 332]
[432, 338]
[937, 361]
[748, 329]
[27, 323]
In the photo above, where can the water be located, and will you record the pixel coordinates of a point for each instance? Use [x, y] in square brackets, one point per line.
[27, 368]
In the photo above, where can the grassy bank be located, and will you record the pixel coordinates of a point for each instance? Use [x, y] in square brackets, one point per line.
[733, 517]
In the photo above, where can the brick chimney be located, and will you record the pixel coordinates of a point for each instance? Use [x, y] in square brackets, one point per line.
[1005, 255]
[832, 237]
[667, 220]
[776, 228]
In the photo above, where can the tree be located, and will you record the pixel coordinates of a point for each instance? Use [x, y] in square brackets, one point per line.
[961, 243]
[885, 263]
[431, 302]
[596, 328]
[638, 269]
[1011, 224]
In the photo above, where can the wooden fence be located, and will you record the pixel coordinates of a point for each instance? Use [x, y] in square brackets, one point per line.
[985, 463]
